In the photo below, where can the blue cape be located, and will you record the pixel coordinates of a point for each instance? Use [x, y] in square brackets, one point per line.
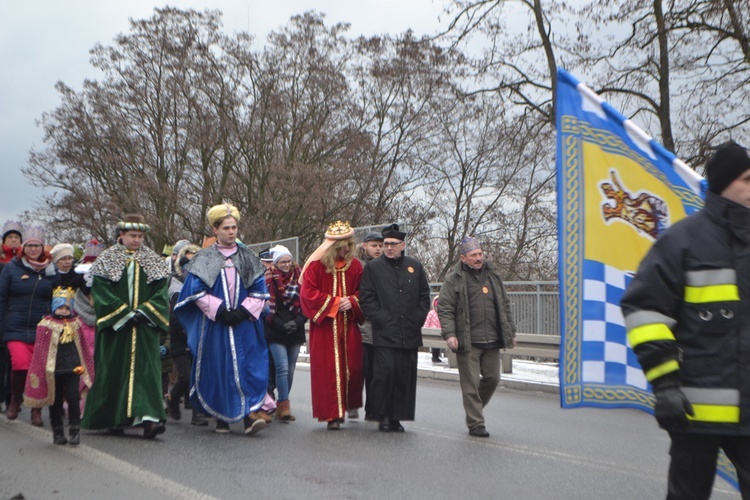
[229, 376]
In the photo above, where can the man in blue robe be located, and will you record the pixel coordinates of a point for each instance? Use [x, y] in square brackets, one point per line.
[220, 303]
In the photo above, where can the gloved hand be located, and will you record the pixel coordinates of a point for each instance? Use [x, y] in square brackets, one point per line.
[139, 319]
[240, 315]
[163, 351]
[290, 327]
[672, 408]
[225, 316]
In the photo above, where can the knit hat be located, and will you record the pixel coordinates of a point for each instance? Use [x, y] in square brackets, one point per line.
[727, 164]
[133, 222]
[372, 236]
[34, 234]
[278, 252]
[220, 212]
[12, 226]
[469, 244]
[62, 296]
[61, 250]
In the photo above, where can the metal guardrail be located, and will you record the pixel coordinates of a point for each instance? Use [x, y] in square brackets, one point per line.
[531, 345]
[535, 305]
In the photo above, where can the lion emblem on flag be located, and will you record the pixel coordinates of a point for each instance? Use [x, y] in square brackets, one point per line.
[646, 212]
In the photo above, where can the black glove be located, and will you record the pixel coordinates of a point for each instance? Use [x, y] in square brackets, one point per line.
[225, 316]
[672, 408]
[240, 315]
[139, 319]
[290, 327]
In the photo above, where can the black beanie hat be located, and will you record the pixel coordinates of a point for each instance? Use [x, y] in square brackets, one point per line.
[727, 164]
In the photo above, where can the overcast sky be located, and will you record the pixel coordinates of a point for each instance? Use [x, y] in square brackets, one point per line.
[46, 41]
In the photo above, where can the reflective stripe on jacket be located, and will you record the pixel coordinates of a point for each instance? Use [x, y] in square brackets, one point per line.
[687, 314]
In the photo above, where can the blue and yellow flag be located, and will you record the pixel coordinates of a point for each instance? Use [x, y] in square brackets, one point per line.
[617, 190]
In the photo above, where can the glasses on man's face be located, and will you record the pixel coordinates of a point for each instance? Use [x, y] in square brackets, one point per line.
[391, 243]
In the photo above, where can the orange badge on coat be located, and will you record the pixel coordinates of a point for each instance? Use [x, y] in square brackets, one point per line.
[485, 289]
[410, 269]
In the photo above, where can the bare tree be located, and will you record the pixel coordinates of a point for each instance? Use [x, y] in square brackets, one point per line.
[127, 143]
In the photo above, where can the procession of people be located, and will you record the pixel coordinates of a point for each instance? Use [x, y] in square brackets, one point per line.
[123, 338]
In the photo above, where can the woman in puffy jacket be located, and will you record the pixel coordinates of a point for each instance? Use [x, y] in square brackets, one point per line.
[26, 285]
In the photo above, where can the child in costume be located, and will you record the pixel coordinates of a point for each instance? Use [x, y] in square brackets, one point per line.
[61, 359]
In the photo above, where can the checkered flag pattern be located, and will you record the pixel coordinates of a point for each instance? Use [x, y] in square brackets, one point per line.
[606, 357]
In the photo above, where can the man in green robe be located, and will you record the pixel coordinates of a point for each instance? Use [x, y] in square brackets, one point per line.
[132, 308]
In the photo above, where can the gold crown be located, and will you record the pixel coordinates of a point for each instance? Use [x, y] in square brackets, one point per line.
[63, 292]
[339, 228]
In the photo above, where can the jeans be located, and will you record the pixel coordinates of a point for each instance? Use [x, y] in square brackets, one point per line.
[285, 359]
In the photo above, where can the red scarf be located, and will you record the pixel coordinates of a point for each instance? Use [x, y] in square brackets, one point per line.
[284, 288]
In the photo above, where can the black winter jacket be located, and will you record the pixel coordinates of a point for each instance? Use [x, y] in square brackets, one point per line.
[275, 331]
[395, 297]
[25, 298]
[687, 312]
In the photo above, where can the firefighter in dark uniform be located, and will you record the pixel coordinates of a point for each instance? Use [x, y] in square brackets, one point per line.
[687, 313]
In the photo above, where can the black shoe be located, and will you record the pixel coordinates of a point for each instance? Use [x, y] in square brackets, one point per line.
[253, 426]
[385, 425]
[173, 407]
[199, 419]
[153, 429]
[396, 426]
[222, 427]
[58, 436]
[75, 435]
[479, 431]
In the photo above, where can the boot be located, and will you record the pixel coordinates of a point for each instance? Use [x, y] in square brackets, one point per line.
[36, 417]
[261, 414]
[283, 411]
[75, 435]
[14, 407]
[58, 436]
[17, 382]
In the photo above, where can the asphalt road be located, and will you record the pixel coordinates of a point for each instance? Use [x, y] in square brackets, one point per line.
[536, 450]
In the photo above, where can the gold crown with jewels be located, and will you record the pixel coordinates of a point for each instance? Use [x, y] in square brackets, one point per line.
[63, 292]
[339, 230]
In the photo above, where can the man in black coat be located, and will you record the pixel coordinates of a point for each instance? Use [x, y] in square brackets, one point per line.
[395, 297]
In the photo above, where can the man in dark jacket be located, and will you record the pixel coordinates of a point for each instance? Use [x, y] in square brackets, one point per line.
[686, 313]
[476, 323]
[371, 248]
[395, 297]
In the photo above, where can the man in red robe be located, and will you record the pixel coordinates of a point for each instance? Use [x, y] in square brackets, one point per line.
[330, 299]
